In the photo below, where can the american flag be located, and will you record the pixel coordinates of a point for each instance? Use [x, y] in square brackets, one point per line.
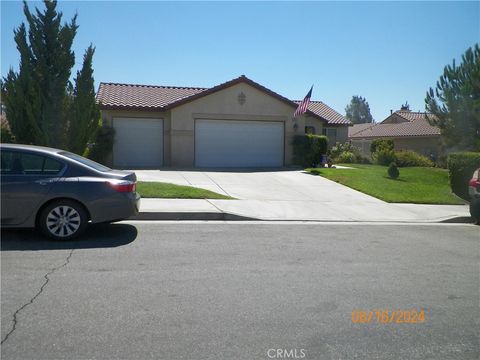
[302, 108]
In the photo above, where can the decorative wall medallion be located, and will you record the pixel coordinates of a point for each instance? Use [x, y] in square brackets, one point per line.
[242, 98]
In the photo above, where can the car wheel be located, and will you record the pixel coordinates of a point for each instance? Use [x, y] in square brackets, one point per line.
[63, 220]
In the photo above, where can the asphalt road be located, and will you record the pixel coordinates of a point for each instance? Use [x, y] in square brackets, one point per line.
[242, 291]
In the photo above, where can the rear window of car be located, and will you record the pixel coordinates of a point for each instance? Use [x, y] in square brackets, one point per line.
[25, 163]
[85, 161]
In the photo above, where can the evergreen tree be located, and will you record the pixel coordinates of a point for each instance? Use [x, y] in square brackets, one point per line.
[41, 104]
[84, 113]
[358, 111]
[20, 96]
[455, 102]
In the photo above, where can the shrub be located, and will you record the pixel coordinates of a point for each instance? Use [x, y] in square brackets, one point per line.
[410, 158]
[342, 153]
[460, 169]
[364, 160]
[308, 149]
[102, 145]
[346, 157]
[339, 148]
[378, 144]
[393, 171]
[384, 156]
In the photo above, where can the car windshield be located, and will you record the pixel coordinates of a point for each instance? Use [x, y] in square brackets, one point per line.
[85, 161]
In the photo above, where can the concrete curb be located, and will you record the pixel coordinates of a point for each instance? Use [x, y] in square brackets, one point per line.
[186, 216]
[222, 216]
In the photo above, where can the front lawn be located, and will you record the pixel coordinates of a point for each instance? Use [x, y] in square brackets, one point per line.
[419, 185]
[172, 191]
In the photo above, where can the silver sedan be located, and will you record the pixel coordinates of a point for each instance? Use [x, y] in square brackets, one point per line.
[60, 192]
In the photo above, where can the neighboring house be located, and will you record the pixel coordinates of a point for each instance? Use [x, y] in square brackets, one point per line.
[409, 131]
[239, 123]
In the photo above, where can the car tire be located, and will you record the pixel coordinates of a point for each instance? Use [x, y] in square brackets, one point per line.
[475, 210]
[63, 220]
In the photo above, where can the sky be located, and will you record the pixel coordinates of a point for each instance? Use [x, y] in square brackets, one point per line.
[388, 52]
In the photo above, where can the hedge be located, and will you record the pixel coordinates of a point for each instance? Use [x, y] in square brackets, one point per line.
[406, 158]
[460, 170]
[308, 149]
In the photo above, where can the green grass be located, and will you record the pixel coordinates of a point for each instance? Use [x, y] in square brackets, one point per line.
[419, 185]
[172, 191]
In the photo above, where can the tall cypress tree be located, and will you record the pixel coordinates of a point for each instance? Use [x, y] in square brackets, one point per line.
[84, 113]
[42, 106]
[52, 59]
[20, 96]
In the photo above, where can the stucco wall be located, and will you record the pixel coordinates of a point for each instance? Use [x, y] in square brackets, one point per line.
[422, 145]
[227, 105]
[316, 123]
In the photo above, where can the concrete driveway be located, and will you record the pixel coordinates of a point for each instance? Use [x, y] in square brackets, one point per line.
[281, 185]
[288, 195]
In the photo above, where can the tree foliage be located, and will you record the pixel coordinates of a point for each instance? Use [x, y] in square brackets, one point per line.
[358, 111]
[41, 104]
[84, 112]
[455, 102]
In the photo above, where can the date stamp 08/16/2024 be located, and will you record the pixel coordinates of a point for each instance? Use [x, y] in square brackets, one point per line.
[387, 316]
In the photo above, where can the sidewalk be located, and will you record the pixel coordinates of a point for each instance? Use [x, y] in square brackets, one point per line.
[288, 210]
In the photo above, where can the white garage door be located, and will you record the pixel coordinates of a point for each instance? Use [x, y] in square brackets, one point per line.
[234, 143]
[138, 143]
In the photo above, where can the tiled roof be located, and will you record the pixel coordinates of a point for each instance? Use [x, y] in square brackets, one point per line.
[356, 128]
[418, 127]
[412, 116]
[147, 97]
[327, 113]
[112, 95]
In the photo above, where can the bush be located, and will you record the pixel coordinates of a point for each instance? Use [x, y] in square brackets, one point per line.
[102, 145]
[378, 144]
[460, 169]
[410, 158]
[384, 156]
[308, 149]
[339, 148]
[346, 157]
[364, 160]
[393, 171]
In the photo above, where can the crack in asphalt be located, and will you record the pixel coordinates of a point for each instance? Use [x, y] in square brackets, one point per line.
[47, 280]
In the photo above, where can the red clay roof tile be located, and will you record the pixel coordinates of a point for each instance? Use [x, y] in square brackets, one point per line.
[327, 113]
[160, 98]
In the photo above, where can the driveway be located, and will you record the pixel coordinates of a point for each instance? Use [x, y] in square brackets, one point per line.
[289, 195]
[282, 185]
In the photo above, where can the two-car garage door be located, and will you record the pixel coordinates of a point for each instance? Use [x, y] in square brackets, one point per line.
[138, 143]
[238, 143]
[218, 143]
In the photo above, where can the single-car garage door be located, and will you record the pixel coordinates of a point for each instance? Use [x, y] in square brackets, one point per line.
[138, 143]
[238, 143]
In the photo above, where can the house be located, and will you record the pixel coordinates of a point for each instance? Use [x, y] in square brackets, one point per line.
[239, 123]
[409, 131]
